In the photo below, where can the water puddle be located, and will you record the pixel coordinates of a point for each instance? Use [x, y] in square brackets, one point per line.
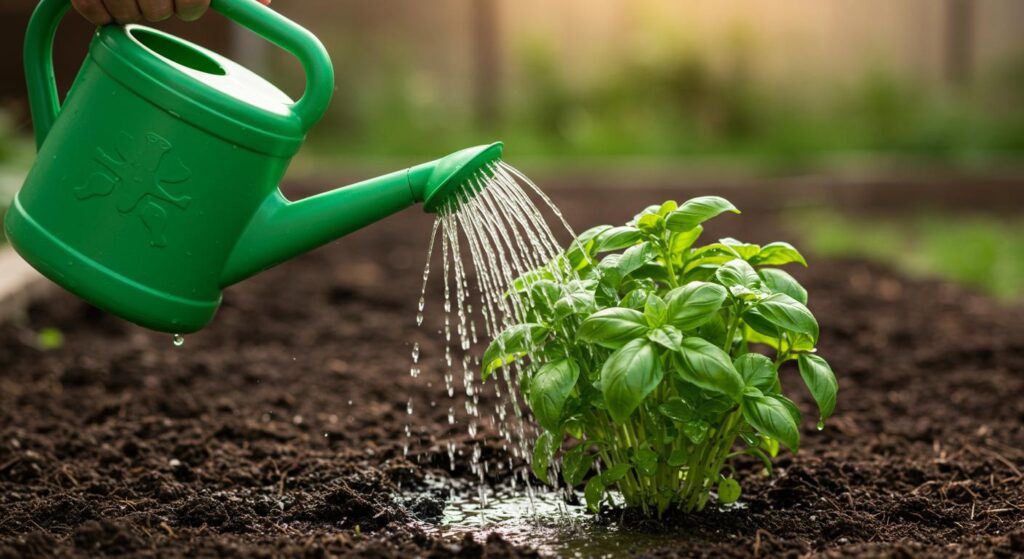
[544, 521]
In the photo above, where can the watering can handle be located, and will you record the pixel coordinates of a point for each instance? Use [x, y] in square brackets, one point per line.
[295, 39]
[44, 102]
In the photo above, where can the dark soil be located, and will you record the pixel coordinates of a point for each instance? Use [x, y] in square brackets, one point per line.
[278, 431]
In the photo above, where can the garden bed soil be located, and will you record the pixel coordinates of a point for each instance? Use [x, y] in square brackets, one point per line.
[279, 430]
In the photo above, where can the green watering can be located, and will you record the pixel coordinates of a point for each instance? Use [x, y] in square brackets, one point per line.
[156, 181]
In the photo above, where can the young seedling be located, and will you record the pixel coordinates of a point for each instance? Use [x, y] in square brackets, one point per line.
[645, 358]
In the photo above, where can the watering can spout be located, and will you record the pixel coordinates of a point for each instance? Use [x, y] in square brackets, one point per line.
[282, 229]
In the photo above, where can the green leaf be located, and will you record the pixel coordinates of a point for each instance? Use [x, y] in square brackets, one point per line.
[651, 223]
[684, 240]
[543, 449]
[593, 493]
[694, 304]
[822, 383]
[739, 249]
[784, 312]
[677, 458]
[677, 409]
[655, 311]
[615, 473]
[49, 339]
[758, 371]
[667, 336]
[772, 418]
[582, 247]
[778, 254]
[543, 295]
[708, 367]
[576, 464]
[728, 491]
[510, 345]
[634, 258]
[550, 387]
[615, 238]
[696, 211]
[696, 430]
[579, 302]
[646, 461]
[757, 330]
[794, 411]
[612, 328]
[779, 281]
[738, 273]
[628, 376]
[667, 207]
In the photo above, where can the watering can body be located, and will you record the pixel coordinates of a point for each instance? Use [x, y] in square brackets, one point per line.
[155, 184]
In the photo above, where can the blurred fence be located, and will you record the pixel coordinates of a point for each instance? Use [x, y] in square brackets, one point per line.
[412, 72]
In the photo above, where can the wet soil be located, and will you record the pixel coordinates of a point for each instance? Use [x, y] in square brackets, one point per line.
[279, 430]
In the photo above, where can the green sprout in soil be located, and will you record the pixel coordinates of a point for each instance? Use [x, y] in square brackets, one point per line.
[646, 358]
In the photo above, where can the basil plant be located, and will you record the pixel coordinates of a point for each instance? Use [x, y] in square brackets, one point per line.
[656, 361]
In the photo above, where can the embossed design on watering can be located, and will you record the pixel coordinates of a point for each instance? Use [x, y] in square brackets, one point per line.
[197, 145]
[140, 171]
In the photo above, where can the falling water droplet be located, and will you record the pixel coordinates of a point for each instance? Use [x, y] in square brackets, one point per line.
[179, 340]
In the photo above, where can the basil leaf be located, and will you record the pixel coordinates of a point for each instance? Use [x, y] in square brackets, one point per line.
[738, 273]
[779, 281]
[758, 371]
[694, 304]
[543, 449]
[628, 376]
[615, 238]
[646, 461]
[667, 336]
[593, 493]
[576, 464]
[696, 211]
[784, 312]
[728, 491]
[677, 409]
[655, 311]
[615, 473]
[612, 328]
[550, 387]
[510, 345]
[778, 254]
[634, 258]
[771, 417]
[822, 383]
[708, 367]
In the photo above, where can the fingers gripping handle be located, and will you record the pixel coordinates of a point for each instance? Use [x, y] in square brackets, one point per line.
[302, 44]
[44, 102]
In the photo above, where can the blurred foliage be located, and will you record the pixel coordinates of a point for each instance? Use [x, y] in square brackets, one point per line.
[983, 252]
[49, 339]
[679, 104]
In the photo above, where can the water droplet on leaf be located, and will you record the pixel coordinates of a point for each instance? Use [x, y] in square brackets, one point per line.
[179, 340]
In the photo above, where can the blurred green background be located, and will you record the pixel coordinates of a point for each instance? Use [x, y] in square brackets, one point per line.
[674, 89]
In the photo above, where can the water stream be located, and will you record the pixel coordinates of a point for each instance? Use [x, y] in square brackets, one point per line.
[495, 232]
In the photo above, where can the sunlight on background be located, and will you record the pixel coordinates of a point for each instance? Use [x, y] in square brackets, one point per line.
[768, 87]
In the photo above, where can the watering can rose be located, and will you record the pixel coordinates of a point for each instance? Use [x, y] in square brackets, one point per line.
[643, 354]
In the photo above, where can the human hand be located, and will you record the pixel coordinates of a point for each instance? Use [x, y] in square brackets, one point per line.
[102, 12]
